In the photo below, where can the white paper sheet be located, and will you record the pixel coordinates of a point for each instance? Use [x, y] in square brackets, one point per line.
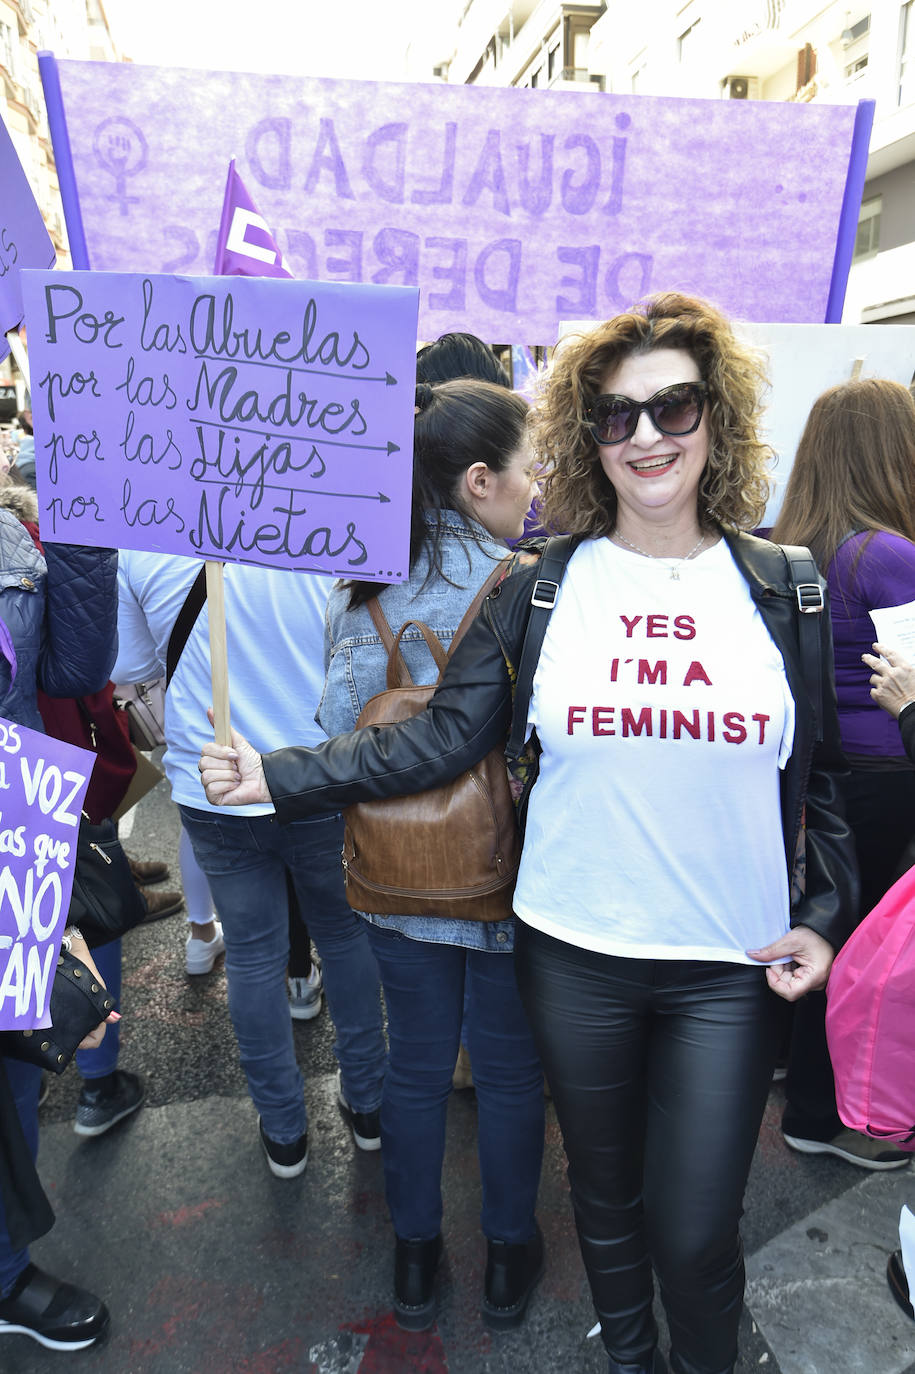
[895, 627]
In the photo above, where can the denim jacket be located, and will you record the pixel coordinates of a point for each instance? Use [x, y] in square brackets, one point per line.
[356, 661]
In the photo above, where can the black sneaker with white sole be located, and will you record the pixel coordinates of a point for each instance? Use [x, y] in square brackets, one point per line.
[56, 1315]
[285, 1161]
[365, 1126]
[103, 1102]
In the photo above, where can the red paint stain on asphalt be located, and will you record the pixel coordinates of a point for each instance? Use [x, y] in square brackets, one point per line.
[392, 1351]
[184, 1215]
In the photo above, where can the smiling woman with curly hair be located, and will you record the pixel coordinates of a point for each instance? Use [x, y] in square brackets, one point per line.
[675, 740]
[577, 496]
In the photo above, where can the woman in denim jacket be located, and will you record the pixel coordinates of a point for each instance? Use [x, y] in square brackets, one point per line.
[473, 485]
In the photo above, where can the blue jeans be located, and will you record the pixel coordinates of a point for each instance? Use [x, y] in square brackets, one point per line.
[245, 859]
[25, 1081]
[104, 1060]
[424, 993]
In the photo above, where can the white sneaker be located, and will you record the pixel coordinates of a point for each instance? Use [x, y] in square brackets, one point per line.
[305, 995]
[201, 955]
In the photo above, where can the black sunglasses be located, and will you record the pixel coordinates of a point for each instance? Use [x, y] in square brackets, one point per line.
[675, 410]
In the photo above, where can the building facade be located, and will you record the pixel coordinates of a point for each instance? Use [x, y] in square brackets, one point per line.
[68, 28]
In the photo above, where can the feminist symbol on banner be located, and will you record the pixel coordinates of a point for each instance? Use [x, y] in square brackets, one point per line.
[121, 149]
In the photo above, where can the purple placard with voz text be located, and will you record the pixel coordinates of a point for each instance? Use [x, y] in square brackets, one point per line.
[42, 785]
[24, 240]
[240, 419]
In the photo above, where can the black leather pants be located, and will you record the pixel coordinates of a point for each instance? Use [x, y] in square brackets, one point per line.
[659, 1071]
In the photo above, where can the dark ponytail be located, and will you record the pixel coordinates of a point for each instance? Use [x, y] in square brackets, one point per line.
[456, 424]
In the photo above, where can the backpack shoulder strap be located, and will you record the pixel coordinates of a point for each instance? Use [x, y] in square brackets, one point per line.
[185, 622]
[499, 572]
[804, 578]
[550, 572]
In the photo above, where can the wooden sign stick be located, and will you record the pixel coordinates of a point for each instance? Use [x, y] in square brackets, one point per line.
[856, 369]
[17, 348]
[219, 661]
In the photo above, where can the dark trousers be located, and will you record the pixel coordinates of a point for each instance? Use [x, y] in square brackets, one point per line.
[424, 985]
[880, 808]
[659, 1071]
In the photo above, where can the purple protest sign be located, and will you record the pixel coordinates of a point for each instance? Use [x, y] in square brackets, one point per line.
[24, 240]
[242, 419]
[42, 785]
[511, 209]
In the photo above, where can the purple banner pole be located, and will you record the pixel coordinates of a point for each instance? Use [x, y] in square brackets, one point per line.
[851, 210]
[60, 141]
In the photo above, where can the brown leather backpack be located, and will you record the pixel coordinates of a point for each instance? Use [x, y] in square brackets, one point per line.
[452, 851]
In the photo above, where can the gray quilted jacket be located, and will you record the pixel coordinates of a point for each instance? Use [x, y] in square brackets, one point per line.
[61, 611]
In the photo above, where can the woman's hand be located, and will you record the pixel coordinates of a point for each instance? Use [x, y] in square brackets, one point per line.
[232, 775]
[892, 679]
[811, 959]
[80, 950]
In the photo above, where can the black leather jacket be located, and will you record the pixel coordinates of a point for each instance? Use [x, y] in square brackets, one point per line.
[470, 714]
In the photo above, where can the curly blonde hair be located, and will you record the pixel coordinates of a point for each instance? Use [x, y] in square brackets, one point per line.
[577, 497]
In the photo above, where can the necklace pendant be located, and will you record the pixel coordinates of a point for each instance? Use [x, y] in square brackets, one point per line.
[675, 574]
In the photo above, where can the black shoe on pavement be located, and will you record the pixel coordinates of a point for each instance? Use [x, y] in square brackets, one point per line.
[855, 1147]
[285, 1161]
[365, 1126]
[656, 1365]
[415, 1263]
[103, 1102]
[899, 1284]
[57, 1315]
[512, 1274]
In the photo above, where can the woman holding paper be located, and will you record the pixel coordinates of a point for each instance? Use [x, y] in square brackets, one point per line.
[676, 746]
[851, 499]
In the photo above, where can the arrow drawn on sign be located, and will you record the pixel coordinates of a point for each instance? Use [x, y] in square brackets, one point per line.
[389, 448]
[312, 371]
[296, 491]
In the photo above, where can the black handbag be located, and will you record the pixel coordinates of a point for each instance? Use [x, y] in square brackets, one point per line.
[105, 902]
[78, 1003]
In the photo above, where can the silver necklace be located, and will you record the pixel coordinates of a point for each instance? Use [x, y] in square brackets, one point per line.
[674, 569]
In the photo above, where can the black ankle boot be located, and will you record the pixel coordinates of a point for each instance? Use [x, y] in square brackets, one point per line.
[653, 1364]
[512, 1273]
[415, 1263]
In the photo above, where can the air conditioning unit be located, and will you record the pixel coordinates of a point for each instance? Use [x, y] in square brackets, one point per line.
[740, 88]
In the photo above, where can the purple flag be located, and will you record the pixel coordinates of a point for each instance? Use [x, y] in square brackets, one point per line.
[245, 246]
[24, 240]
[239, 419]
[42, 782]
[511, 210]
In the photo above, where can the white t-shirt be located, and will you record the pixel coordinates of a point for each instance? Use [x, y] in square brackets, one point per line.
[664, 716]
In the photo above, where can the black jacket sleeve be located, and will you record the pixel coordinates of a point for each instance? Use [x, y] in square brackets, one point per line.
[907, 730]
[467, 717]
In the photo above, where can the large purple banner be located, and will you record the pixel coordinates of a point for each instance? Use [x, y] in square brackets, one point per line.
[24, 241]
[42, 785]
[234, 418]
[511, 209]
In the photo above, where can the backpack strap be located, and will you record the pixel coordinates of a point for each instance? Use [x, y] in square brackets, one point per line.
[550, 572]
[185, 622]
[498, 574]
[398, 674]
[804, 579]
